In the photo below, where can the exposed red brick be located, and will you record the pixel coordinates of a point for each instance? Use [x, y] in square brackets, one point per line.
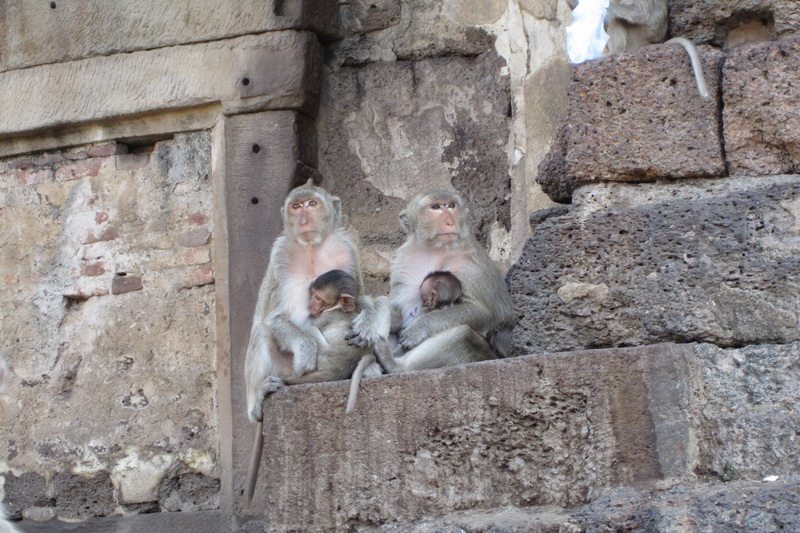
[93, 269]
[195, 237]
[76, 292]
[105, 150]
[197, 278]
[21, 163]
[76, 154]
[107, 235]
[78, 170]
[47, 159]
[123, 284]
[199, 218]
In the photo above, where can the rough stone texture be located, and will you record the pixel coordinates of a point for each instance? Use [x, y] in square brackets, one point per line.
[637, 116]
[751, 416]
[389, 30]
[555, 431]
[521, 432]
[762, 102]
[389, 130]
[724, 508]
[711, 21]
[277, 70]
[716, 262]
[196, 522]
[96, 28]
[109, 393]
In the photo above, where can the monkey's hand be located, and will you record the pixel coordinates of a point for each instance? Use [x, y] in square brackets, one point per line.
[372, 323]
[413, 334]
[305, 350]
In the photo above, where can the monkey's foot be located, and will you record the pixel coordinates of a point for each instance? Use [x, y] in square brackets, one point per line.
[272, 385]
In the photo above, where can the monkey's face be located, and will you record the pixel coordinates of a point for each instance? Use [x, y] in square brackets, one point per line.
[440, 221]
[319, 302]
[307, 216]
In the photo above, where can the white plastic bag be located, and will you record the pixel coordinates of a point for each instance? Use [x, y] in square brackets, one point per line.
[586, 37]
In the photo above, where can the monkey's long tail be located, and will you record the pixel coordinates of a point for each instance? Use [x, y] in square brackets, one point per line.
[697, 64]
[255, 463]
[355, 381]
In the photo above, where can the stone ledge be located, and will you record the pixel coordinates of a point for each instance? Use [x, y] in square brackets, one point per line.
[553, 430]
[278, 70]
[520, 432]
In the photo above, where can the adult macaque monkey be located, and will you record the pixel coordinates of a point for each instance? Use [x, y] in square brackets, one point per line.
[439, 239]
[312, 242]
[633, 24]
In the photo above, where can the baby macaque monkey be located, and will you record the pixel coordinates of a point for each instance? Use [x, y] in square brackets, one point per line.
[332, 300]
[440, 289]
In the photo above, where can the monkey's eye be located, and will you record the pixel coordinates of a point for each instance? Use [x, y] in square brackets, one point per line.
[451, 205]
[297, 205]
[312, 203]
[435, 206]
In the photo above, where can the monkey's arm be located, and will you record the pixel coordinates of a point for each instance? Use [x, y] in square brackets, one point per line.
[292, 338]
[469, 312]
[258, 362]
[372, 323]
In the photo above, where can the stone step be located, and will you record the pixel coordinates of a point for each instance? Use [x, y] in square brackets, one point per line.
[541, 430]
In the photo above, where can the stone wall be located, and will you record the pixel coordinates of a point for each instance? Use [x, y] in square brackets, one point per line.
[108, 319]
[424, 93]
[139, 201]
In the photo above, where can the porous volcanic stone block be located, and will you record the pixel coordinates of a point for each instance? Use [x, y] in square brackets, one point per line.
[637, 116]
[710, 21]
[518, 432]
[762, 103]
[719, 266]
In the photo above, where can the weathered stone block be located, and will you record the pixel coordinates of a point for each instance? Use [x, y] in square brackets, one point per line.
[96, 28]
[79, 497]
[762, 102]
[630, 265]
[742, 506]
[748, 423]
[711, 21]
[23, 491]
[450, 113]
[276, 70]
[637, 116]
[518, 432]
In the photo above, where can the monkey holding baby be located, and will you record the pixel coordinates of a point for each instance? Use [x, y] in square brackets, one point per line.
[478, 326]
[313, 242]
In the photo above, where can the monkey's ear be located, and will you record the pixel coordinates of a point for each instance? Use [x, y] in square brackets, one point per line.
[405, 222]
[347, 303]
